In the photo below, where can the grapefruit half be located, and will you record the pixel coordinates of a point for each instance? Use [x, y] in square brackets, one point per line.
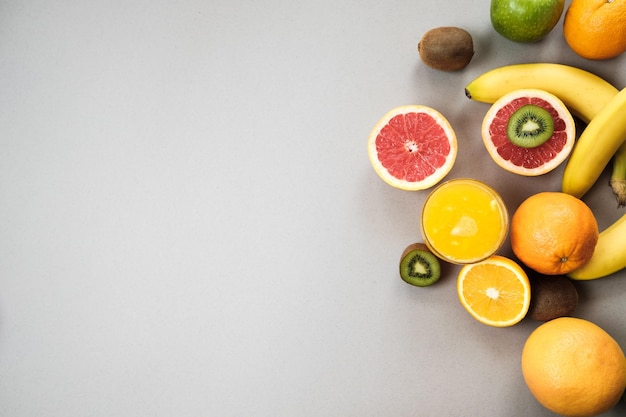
[498, 136]
[412, 147]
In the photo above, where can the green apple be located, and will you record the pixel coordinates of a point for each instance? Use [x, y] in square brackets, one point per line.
[525, 20]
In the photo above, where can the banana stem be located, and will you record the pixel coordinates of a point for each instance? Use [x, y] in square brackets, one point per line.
[618, 176]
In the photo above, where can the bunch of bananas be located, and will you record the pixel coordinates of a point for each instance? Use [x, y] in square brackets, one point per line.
[603, 107]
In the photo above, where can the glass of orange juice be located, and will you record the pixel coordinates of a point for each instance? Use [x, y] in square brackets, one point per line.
[464, 221]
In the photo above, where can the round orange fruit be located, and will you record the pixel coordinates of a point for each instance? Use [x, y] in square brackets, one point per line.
[596, 29]
[573, 367]
[553, 233]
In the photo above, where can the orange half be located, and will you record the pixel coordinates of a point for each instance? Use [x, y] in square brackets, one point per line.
[496, 291]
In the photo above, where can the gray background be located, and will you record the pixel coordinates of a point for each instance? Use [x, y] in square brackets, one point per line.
[190, 226]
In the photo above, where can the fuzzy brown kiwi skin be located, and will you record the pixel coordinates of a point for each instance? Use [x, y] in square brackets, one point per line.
[412, 247]
[551, 296]
[446, 48]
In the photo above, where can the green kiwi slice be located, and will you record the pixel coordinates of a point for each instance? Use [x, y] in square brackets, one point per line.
[530, 126]
[418, 266]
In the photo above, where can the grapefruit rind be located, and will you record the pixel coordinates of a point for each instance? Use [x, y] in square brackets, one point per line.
[558, 153]
[439, 172]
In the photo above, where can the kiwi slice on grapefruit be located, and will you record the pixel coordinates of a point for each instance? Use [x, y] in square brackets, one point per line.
[412, 147]
[528, 132]
[419, 266]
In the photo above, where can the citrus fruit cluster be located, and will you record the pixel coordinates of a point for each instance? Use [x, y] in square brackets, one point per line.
[570, 365]
[551, 233]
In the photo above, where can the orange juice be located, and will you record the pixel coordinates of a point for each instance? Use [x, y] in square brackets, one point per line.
[464, 221]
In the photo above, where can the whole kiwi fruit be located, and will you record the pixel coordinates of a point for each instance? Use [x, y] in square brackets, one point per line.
[551, 296]
[446, 48]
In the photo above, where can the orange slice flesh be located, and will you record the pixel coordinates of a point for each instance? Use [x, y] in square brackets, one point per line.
[496, 291]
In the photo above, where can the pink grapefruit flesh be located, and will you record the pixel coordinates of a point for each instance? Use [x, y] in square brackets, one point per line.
[412, 147]
[523, 160]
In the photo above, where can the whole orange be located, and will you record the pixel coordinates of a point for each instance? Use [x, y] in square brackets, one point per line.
[573, 367]
[553, 233]
[596, 29]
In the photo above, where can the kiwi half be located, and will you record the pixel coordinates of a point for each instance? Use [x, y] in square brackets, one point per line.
[418, 266]
[530, 126]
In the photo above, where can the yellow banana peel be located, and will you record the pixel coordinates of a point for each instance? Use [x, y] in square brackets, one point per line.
[609, 255]
[584, 93]
[595, 147]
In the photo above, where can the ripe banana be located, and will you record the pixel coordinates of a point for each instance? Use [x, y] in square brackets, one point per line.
[595, 147]
[609, 255]
[584, 93]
